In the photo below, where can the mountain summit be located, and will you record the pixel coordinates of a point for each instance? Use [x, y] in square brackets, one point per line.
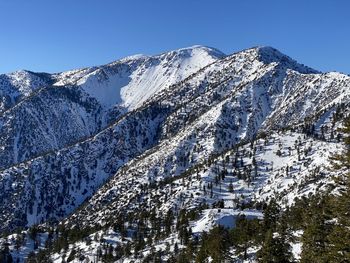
[132, 80]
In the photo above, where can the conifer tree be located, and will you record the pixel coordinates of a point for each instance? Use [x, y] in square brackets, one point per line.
[339, 238]
[314, 239]
[326, 236]
[271, 215]
[5, 255]
[275, 249]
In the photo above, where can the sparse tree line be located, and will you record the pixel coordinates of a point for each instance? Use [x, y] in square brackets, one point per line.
[323, 220]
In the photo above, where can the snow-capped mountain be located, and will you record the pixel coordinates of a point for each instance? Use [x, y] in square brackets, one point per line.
[132, 80]
[154, 133]
[224, 105]
[70, 106]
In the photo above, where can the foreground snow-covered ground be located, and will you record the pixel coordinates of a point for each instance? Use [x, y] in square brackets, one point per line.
[307, 172]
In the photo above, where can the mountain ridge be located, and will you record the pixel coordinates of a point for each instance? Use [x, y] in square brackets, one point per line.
[178, 133]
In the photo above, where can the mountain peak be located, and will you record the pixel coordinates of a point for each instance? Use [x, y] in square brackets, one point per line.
[209, 50]
[133, 57]
[268, 55]
[195, 50]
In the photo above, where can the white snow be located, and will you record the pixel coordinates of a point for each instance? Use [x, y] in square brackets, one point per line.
[225, 217]
[106, 91]
[132, 80]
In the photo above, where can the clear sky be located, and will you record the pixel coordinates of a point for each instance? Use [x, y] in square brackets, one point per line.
[58, 35]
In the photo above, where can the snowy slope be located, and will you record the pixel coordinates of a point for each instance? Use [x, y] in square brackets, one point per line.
[162, 129]
[222, 104]
[18, 85]
[132, 80]
[188, 192]
[68, 107]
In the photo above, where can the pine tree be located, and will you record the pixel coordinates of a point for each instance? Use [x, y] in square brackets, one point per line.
[218, 244]
[275, 249]
[267, 250]
[5, 255]
[271, 215]
[230, 187]
[316, 226]
[339, 238]
[244, 234]
[326, 235]
[343, 160]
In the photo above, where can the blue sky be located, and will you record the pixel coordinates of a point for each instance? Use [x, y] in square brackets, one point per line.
[58, 35]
